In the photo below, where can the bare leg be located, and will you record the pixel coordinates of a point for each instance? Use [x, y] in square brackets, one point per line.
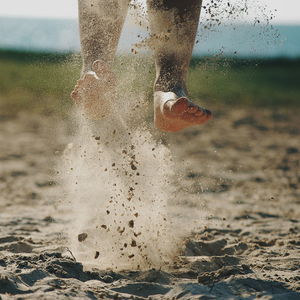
[173, 26]
[101, 23]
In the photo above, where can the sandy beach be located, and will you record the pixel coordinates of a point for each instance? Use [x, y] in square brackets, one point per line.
[241, 172]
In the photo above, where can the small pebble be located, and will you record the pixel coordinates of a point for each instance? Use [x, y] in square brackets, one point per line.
[82, 237]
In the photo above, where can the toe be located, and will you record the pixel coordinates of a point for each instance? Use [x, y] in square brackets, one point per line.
[75, 95]
[180, 106]
[208, 113]
[200, 112]
[203, 112]
[192, 108]
[200, 116]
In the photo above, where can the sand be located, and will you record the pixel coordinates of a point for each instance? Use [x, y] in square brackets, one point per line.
[240, 173]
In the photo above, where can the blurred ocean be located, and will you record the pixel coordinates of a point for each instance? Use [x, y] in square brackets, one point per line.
[230, 40]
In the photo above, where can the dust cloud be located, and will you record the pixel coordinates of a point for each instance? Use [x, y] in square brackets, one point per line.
[118, 181]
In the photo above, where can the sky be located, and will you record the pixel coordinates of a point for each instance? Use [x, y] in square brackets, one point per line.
[287, 10]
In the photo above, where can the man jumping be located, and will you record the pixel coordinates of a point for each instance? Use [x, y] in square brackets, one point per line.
[174, 23]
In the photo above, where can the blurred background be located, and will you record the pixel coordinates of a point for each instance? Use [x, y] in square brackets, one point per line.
[248, 53]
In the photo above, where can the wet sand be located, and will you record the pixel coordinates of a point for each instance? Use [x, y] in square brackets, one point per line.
[241, 170]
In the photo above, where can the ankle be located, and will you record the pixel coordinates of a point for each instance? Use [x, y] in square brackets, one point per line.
[97, 66]
[178, 87]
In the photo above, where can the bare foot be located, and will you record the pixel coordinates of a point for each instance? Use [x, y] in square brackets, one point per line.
[173, 113]
[93, 91]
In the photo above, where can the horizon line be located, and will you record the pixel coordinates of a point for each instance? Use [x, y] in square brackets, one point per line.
[274, 22]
